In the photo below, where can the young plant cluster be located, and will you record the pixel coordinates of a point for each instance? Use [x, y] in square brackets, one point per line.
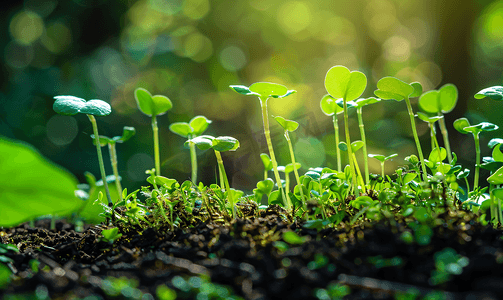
[423, 190]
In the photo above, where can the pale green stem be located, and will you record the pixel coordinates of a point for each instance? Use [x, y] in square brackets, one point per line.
[359, 174]
[193, 161]
[362, 133]
[292, 156]
[467, 185]
[230, 197]
[155, 129]
[287, 186]
[267, 132]
[445, 135]
[494, 216]
[265, 174]
[336, 130]
[416, 138]
[477, 160]
[382, 170]
[100, 158]
[348, 143]
[113, 160]
[435, 141]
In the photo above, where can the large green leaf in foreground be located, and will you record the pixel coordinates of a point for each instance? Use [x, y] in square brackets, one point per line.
[31, 186]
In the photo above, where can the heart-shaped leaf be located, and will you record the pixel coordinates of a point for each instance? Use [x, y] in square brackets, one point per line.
[428, 119]
[31, 185]
[199, 124]
[356, 145]
[434, 155]
[289, 167]
[287, 125]
[70, 105]
[329, 107]
[183, 129]
[497, 177]
[127, 133]
[203, 142]
[265, 186]
[460, 125]
[497, 154]
[442, 100]
[366, 101]
[418, 89]
[268, 89]
[266, 160]
[243, 90]
[393, 88]
[342, 83]
[494, 92]
[152, 105]
[225, 143]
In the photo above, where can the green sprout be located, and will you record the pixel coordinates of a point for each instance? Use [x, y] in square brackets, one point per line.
[391, 88]
[463, 125]
[219, 144]
[330, 108]
[355, 146]
[382, 159]
[340, 82]
[153, 106]
[360, 103]
[190, 130]
[291, 126]
[440, 102]
[71, 105]
[431, 124]
[264, 91]
[127, 133]
[111, 235]
[266, 161]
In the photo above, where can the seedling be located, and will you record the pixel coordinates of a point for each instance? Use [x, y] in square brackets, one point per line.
[383, 159]
[360, 103]
[440, 102]
[431, 124]
[463, 125]
[190, 130]
[342, 83]
[390, 88]
[111, 235]
[71, 105]
[290, 126]
[153, 106]
[355, 146]
[219, 144]
[330, 108]
[264, 91]
[127, 133]
[266, 160]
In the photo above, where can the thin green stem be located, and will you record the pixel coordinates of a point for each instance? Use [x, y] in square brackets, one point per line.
[267, 132]
[494, 215]
[477, 161]
[350, 151]
[155, 129]
[100, 158]
[193, 162]
[416, 138]
[336, 130]
[467, 185]
[382, 170]
[445, 135]
[359, 174]
[435, 141]
[113, 160]
[362, 133]
[292, 157]
[230, 196]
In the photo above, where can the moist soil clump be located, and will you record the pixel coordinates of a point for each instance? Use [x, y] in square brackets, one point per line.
[264, 257]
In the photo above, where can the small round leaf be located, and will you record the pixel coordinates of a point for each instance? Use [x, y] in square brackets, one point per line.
[243, 90]
[393, 88]
[494, 92]
[203, 142]
[288, 125]
[225, 143]
[127, 133]
[70, 105]
[329, 107]
[460, 125]
[342, 83]
[181, 128]
[152, 105]
[266, 160]
[268, 89]
[199, 124]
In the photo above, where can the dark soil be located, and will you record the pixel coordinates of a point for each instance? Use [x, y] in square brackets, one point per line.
[251, 257]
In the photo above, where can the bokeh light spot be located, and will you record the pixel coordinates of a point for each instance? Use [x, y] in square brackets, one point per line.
[18, 56]
[196, 9]
[397, 48]
[294, 17]
[57, 37]
[26, 27]
[62, 130]
[198, 47]
[232, 58]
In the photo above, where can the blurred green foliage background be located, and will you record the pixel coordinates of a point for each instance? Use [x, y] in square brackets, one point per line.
[192, 50]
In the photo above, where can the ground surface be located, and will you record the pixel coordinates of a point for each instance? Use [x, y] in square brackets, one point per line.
[254, 259]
